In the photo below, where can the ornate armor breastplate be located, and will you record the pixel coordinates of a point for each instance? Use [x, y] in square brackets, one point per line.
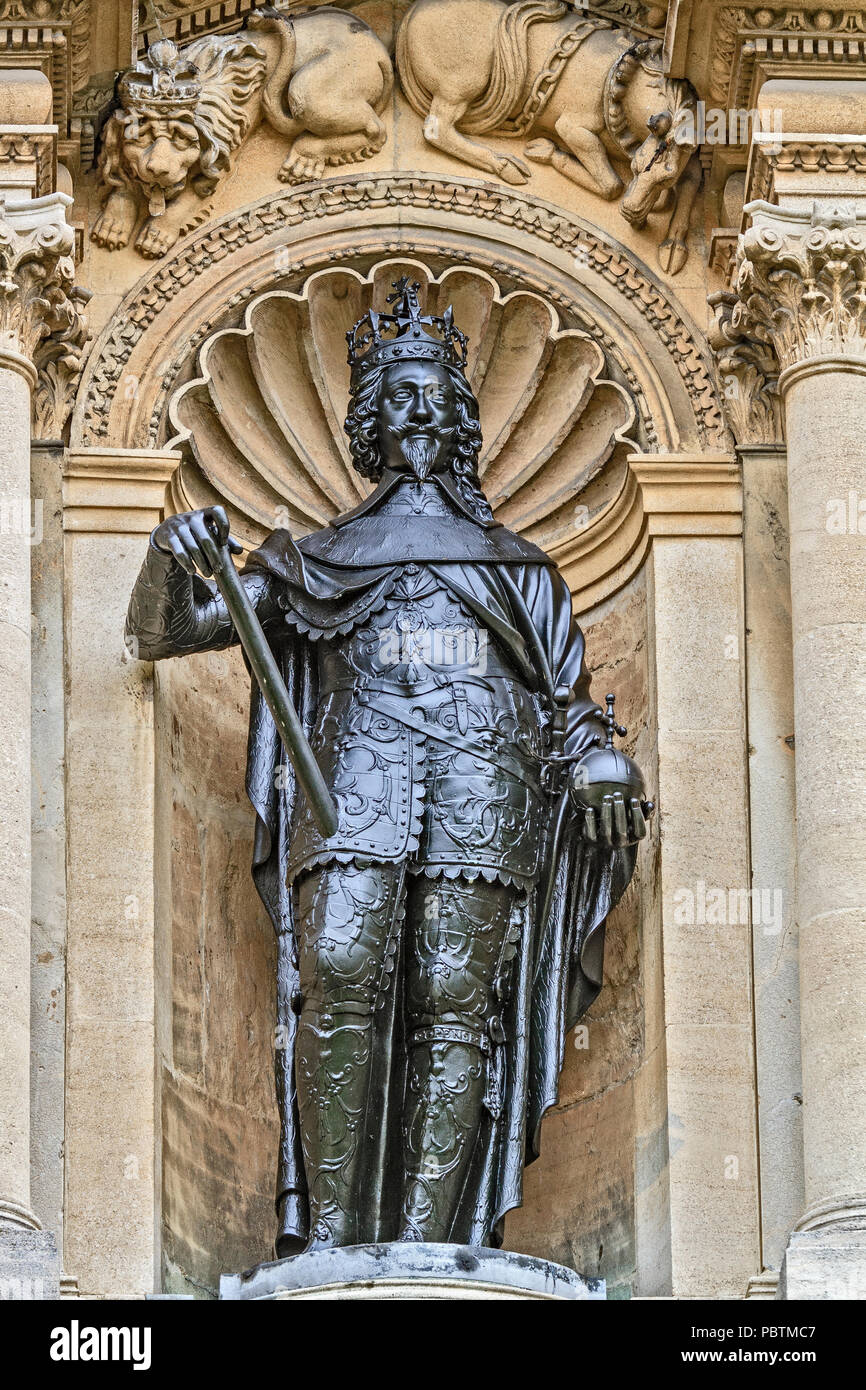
[428, 741]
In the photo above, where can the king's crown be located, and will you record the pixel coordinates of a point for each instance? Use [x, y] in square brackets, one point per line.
[162, 79]
[406, 335]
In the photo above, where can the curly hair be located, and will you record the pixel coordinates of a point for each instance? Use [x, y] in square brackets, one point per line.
[362, 430]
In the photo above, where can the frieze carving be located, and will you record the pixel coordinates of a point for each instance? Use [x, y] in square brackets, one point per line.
[572, 83]
[321, 79]
[53, 35]
[91, 105]
[358, 194]
[801, 286]
[32, 146]
[37, 11]
[831, 154]
[568, 83]
[179, 19]
[743, 38]
[42, 311]
[544, 394]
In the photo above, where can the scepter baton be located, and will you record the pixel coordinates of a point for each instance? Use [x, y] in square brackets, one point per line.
[272, 686]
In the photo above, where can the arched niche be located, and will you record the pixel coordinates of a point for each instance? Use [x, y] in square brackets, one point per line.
[180, 357]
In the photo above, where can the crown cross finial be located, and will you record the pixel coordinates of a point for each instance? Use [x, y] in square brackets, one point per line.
[610, 723]
[406, 293]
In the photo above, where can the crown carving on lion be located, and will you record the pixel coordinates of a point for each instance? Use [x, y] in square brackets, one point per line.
[162, 79]
[406, 335]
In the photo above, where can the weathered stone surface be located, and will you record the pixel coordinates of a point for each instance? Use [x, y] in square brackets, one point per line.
[410, 1271]
[29, 1265]
[219, 1120]
[825, 1264]
[48, 877]
[769, 679]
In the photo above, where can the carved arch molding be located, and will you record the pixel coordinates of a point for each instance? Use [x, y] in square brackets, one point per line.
[233, 351]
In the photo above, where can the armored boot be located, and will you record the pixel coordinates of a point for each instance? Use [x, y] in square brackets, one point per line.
[447, 1081]
[333, 1053]
[460, 941]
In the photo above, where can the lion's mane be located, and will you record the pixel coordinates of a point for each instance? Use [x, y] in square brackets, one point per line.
[231, 71]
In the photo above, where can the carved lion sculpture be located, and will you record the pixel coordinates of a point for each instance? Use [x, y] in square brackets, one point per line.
[583, 93]
[321, 79]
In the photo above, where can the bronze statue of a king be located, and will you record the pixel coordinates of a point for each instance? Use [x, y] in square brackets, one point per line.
[436, 949]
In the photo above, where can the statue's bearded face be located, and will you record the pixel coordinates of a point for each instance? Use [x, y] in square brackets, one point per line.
[417, 418]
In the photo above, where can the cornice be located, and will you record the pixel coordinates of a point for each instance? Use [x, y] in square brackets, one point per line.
[115, 491]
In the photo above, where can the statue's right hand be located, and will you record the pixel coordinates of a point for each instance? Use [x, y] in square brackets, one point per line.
[190, 535]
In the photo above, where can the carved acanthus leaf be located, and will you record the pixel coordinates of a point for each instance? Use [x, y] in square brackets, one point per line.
[58, 359]
[42, 311]
[33, 263]
[802, 286]
[748, 377]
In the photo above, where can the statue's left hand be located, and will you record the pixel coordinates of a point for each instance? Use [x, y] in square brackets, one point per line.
[618, 822]
[611, 819]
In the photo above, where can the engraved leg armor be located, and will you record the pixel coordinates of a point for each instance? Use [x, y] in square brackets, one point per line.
[460, 940]
[346, 958]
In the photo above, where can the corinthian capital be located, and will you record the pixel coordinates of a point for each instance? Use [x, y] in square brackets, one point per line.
[42, 326]
[801, 284]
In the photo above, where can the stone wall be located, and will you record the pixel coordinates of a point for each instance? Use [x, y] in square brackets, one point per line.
[218, 1115]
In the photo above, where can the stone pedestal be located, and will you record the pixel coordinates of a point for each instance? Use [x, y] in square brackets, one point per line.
[408, 1271]
[825, 1264]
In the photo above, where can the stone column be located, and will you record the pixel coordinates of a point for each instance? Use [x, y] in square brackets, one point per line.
[801, 283]
[772, 830]
[35, 275]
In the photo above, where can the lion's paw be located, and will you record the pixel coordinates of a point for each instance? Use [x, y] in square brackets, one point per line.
[111, 232]
[153, 240]
[302, 169]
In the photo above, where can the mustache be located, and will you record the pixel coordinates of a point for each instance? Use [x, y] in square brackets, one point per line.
[436, 432]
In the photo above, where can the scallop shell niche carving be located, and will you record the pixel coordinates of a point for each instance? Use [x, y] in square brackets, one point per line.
[261, 425]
